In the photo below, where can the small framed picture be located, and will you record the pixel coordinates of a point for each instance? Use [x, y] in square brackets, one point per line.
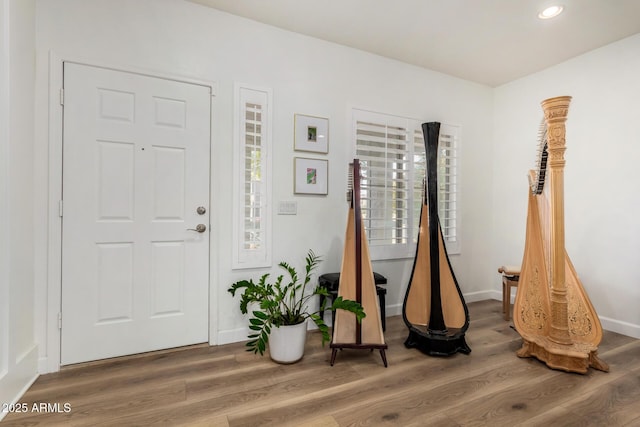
[310, 176]
[311, 134]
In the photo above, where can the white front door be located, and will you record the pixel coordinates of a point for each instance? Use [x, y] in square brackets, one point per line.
[135, 173]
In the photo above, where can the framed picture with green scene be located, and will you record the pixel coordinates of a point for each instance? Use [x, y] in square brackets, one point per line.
[310, 176]
[311, 134]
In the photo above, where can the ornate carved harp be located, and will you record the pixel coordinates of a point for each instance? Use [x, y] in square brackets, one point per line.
[434, 309]
[552, 311]
[357, 283]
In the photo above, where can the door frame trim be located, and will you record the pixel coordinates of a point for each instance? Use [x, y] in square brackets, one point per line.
[49, 296]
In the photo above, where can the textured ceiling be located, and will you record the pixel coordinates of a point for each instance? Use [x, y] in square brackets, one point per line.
[486, 41]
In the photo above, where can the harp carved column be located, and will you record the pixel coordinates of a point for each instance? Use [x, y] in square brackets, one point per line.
[555, 115]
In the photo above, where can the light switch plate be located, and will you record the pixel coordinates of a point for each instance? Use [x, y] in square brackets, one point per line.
[287, 207]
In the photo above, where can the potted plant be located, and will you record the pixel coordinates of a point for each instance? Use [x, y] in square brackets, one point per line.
[282, 306]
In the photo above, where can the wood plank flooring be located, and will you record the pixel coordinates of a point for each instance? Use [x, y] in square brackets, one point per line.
[227, 386]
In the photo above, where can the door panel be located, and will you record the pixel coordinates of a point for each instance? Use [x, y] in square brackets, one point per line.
[135, 169]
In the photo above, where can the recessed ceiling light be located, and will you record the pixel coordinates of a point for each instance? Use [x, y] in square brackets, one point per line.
[550, 12]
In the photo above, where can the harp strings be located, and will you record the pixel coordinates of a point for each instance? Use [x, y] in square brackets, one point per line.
[350, 184]
[541, 160]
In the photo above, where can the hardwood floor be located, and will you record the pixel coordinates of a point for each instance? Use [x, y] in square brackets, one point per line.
[227, 386]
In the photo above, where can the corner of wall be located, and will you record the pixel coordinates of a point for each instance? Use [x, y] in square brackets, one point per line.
[18, 350]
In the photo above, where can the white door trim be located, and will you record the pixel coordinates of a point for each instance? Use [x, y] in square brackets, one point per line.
[47, 331]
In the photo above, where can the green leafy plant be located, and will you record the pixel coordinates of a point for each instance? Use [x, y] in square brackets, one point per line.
[286, 302]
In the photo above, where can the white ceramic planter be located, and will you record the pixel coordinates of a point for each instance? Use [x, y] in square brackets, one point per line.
[286, 343]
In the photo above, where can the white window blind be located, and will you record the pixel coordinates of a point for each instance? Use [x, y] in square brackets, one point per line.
[448, 185]
[419, 171]
[252, 183]
[393, 163]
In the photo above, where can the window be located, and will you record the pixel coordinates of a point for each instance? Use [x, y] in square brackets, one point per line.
[393, 163]
[252, 183]
[448, 185]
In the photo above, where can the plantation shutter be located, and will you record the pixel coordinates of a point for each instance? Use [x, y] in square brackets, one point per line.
[252, 219]
[385, 152]
[253, 172]
[419, 173]
[448, 184]
[393, 166]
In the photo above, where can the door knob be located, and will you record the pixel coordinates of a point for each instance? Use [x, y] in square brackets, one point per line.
[200, 228]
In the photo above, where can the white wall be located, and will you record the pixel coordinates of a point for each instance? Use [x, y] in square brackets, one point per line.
[601, 173]
[314, 77]
[18, 350]
[307, 76]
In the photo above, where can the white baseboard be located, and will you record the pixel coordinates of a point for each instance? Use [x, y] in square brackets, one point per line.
[43, 366]
[620, 327]
[240, 334]
[232, 335]
[624, 328]
[18, 378]
[482, 296]
[608, 324]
